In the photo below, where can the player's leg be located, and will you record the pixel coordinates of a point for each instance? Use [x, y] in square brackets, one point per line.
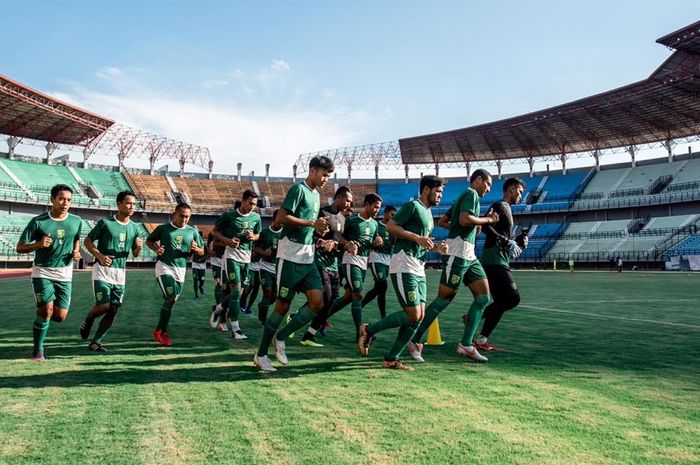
[309, 282]
[218, 291]
[381, 286]
[101, 291]
[254, 288]
[171, 289]
[450, 280]
[356, 282]
[478, 284]
[411, 291]
[267, 281]
[372, 293]
[329, 287]
[45, 296]
[236, 272]
[195, 282]
[116, 296]
[506, 296]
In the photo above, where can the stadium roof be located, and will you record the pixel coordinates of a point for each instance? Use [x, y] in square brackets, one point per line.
[663, 107]
[28, 113]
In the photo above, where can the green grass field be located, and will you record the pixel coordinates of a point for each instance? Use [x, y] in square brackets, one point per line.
[598, 368]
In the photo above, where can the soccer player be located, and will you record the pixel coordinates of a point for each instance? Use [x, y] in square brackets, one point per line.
[360, 237]
[378, 263]
[238, 229]
[216, 251]
[54, 237]
[411, 226]
[110, 242]
[296, 271]
[326, 259]
[266, 248]
[462, 219]
[199, 270]
[499, 248]
[250, 291]
[173, 243]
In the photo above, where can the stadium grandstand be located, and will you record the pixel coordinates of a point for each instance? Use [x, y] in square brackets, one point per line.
[645, 212]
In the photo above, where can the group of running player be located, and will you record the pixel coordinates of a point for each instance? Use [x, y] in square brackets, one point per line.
[307, 249]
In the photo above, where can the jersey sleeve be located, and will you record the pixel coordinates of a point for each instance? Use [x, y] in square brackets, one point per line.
[469, 203]
[404, 214]
[96, 232]
[29, 232]
[79, 230]
[155, 235]
[198, 239]
[222, 222]
[293, 198]
[257, 229]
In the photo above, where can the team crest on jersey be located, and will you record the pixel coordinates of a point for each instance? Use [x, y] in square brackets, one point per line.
[178, 241]
[38, 297]
[169, 290]
[244, 225]
[98, 295]
[283, 292]
[411, 296]
[122, 237]
[356, 284]
[454, 279]
[60, 233]
[367, 231]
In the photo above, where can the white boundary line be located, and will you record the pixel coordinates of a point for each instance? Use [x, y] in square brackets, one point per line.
[613, 317]
[617, 301]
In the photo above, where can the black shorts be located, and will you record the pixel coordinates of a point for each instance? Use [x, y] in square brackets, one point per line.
[502, 286]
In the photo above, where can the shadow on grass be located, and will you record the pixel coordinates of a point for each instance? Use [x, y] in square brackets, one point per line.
[231, 373]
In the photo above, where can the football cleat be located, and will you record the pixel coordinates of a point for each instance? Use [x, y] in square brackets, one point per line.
[396, 365]
[263, 363]
[487, 347]
[238, 335]
[38, 357]
[415, 351]
[310, 343]
[471, 352]
[165, 340]
[96, 347]
[280, 348]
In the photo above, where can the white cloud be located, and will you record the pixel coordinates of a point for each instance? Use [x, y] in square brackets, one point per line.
[273, 130]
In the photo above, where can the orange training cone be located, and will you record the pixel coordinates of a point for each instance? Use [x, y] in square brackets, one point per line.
[434, 338]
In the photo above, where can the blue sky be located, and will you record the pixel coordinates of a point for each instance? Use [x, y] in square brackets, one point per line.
[262, 82]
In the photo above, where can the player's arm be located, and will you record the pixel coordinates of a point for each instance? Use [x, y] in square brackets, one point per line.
[287, 219]
[467, 219]
[399, 232]
[153, 242]
[90, 246]
[444, 222]
[76, 250]
[27, 244]
[137, 247]
[231, 242]
[264, 252]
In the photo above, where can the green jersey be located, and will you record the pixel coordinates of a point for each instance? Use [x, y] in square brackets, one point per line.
[233, 225]
[298, 244]
[115, 239]
[461, 239]
[383, 254]
[269, 240]
[218, 251]
[408, 256]
[497, 236]
[56, 261]
[177, 243]
[363, 231]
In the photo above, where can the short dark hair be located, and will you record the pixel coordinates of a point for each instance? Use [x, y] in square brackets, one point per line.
[183, 206]
[389, 208]
[249, 193]
[322, 162]
[124, 194]
[237, 204]
[342, 190]
[372, 198]
[58, 188]
[480, 173]
[510, 182]
[431, 181]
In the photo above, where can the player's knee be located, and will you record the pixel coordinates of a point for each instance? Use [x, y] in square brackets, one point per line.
[512, 301]
[316, 305]
[483, 300]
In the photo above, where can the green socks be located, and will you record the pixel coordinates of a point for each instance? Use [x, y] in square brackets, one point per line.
[165, 311]
[234, 304]
[218, 291]
[263, 308]
[105, 323]
[405, 334]
[39, 330]
[301, 319]
[357, 315]
[273, 322]
[392, 320]
[431, 313]
[474, 317]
